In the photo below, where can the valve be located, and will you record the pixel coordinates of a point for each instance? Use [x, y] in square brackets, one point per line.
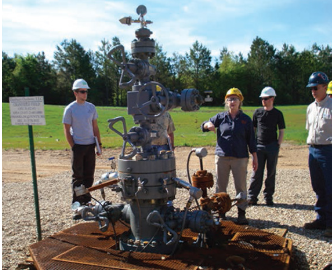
[154, 100]
[125, 137]
[124, 66]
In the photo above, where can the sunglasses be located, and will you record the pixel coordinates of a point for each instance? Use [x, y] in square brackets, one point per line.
[265, 99]
[314, 88]
[83, 91]
[232, 99]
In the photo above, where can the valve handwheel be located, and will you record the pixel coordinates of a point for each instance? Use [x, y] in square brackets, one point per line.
[154, 100]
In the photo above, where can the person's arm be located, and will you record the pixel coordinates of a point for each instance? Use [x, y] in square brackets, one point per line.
[172, 140]
[97, 134]
[68, 135]
[281, 134]
[252, 145]
[209, 126]
[254, 161]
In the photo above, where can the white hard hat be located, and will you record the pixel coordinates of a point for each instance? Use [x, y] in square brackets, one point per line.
[267, 92]
[80, 83]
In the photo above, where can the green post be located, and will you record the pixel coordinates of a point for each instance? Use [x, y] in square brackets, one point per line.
[34, 175]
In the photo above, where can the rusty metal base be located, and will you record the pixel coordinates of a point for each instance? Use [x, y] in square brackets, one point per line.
[83, 246]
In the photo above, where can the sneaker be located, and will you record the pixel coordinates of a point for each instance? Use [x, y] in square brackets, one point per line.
[314, 225]
[252, 202]
[328, 232]
[269, 203]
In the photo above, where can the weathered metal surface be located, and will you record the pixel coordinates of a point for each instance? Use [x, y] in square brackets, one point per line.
[83, 246]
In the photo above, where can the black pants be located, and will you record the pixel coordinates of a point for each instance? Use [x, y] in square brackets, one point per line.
[83, 169]
[267, 155]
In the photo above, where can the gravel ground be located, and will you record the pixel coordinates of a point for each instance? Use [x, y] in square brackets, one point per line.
[293, 197]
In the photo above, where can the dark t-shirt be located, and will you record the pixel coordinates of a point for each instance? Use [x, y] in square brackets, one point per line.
[267, 123]
[235, 137]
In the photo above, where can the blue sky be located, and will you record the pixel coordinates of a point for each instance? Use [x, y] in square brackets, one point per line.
[32, 26]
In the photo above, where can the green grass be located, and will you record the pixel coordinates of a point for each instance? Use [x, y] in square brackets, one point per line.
[188, 132]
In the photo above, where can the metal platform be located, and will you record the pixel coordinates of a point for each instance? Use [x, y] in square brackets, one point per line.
[84, 247]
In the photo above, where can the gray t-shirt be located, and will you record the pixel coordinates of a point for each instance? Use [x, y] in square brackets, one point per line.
[80, 117]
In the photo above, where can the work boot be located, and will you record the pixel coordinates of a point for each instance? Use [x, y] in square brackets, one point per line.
[241, 220]
[252, 202]
[328, 232]
[269, 203]
[314, 225]
[223, 217]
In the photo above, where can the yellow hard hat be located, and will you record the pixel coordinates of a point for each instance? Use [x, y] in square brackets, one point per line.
[329, 88]
[234, 91]
[158, 88]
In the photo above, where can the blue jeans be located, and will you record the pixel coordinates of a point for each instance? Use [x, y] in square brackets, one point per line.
[267, 155]
[320, 165]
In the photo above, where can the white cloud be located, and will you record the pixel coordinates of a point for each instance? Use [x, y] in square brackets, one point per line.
[32, 26]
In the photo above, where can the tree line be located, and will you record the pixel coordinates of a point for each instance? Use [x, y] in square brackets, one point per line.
[286, 70]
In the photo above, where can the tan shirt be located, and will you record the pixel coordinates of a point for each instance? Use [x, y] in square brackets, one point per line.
[319, 122]
[163, 126]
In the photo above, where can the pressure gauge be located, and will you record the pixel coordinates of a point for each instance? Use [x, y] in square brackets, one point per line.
[141, 10]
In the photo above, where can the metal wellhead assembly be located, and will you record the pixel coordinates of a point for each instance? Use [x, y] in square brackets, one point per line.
[144, 230]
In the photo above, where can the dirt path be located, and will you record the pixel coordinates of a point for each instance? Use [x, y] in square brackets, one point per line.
[16, 164]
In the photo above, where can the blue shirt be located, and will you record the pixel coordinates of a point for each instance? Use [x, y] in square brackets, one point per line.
[235, 137]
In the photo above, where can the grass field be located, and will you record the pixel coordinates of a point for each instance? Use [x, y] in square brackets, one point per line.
[188, 132]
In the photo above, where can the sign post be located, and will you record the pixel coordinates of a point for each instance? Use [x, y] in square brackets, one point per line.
[29, 111]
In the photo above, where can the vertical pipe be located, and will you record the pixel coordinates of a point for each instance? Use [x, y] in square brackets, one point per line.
[201, 165]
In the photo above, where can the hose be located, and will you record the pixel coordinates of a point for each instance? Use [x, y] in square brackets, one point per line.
[188, 166]
[163, 226]
[188, 172]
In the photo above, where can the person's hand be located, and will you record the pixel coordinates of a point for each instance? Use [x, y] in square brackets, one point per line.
[254, 162]
[210, 126]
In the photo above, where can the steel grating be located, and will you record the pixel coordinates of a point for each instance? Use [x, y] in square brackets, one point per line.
[43, 252]
[121, 259]
[83, 246]
[260, 241]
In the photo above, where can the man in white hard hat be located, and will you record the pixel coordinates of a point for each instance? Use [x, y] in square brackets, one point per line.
[82, 133]
[266, 121]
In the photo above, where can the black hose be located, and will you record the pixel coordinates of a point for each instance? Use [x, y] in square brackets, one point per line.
[188, 166]
[188, 172]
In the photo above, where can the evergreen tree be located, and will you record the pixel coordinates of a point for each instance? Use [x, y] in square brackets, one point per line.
[73, 62]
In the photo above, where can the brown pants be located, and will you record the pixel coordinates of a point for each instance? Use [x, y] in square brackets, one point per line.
[238, 167]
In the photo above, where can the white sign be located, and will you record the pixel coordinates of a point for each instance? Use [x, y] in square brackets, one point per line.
[27, 110]
[208, 99]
